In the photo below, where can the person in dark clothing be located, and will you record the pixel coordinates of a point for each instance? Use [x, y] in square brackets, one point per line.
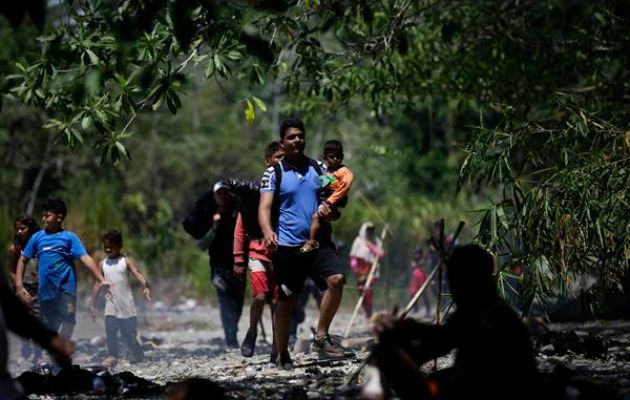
[14, 315]
[494, 354]
[219, 242]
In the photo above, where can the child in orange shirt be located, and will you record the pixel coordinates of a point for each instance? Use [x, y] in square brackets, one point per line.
[336, 183]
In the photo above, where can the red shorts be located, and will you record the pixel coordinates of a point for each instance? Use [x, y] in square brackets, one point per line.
[263, 278]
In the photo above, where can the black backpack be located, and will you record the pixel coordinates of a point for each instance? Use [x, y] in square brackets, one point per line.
[199, 219]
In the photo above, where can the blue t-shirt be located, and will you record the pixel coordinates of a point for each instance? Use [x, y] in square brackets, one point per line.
[55, 255]
[298, 201]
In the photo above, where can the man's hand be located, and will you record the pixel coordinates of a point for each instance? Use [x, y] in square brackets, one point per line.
[383, 322]
[215, 220]
[271, 240]
[239, 271]
[24, 295]
[61, 349]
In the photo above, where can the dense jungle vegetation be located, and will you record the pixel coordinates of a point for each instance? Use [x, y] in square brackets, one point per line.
[512, 116]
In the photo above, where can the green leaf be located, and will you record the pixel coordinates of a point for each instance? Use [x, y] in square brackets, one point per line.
[93, 57]
[261, 104]
[93, 82]
[86, 122]
[250, 114]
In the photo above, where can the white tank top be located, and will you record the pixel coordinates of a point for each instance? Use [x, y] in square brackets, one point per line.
[119, 302]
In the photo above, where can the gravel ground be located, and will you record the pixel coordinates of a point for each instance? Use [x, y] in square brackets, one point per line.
[187, 341]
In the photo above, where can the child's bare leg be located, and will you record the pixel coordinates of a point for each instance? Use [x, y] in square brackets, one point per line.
[311, 243]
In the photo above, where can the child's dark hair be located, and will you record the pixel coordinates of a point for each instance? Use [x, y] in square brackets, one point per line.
[114, 237]
[293, 122]
[333, 146]
[30, 223]
[55, 205]
[271, 149]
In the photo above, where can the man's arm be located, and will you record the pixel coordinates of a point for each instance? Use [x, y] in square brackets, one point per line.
[19, 280]
[264, 219]
[22, 322]
[146, 291]
[205, 242]
[423, 341]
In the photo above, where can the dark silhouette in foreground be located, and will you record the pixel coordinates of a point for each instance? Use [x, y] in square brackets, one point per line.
[494, 357]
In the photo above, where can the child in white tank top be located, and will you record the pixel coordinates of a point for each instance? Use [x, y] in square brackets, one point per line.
[120, 310]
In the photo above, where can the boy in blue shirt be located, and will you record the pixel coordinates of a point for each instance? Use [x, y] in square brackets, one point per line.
[55, 249]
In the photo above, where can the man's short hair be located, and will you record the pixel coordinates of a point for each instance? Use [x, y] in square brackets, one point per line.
[55, 205]
[113, 236]
[333, 146]
[272, 148]
[293, 122]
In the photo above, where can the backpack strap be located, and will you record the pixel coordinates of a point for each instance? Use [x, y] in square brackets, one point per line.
[277, 169]
[275, 207]
[313, 163]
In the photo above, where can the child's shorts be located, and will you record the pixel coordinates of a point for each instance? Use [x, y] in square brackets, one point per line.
[262, 277]
[59, 310]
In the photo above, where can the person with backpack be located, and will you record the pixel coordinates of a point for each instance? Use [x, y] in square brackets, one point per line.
[218, 240]
[289, 196]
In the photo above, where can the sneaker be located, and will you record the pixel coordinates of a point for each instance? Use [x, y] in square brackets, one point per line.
[109, 362]
[249, 343]
[284, 362]
[325, 346]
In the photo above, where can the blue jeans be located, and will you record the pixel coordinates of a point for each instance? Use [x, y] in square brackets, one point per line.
[128, 328]
[231, 294]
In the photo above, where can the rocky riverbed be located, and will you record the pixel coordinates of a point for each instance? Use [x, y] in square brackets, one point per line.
[187, 341]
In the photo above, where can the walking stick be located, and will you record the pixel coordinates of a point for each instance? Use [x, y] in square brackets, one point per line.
[367, 283]
[415, 298]
[431, 276]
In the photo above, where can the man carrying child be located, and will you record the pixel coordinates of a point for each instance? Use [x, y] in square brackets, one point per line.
[293, 191]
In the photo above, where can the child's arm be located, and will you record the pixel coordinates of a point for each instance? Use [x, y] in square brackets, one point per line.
[146, 291]
[89, 263]
[19, 280]
[13, 256]
[96, 288]
[342, 185]
[239, 248]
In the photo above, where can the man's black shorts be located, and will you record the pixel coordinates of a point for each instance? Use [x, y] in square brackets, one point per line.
[292, 268]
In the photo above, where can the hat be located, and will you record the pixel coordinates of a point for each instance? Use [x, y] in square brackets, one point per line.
[369, 224]
[219, 185]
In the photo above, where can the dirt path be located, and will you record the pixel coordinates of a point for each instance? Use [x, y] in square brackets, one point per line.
[188, 343]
